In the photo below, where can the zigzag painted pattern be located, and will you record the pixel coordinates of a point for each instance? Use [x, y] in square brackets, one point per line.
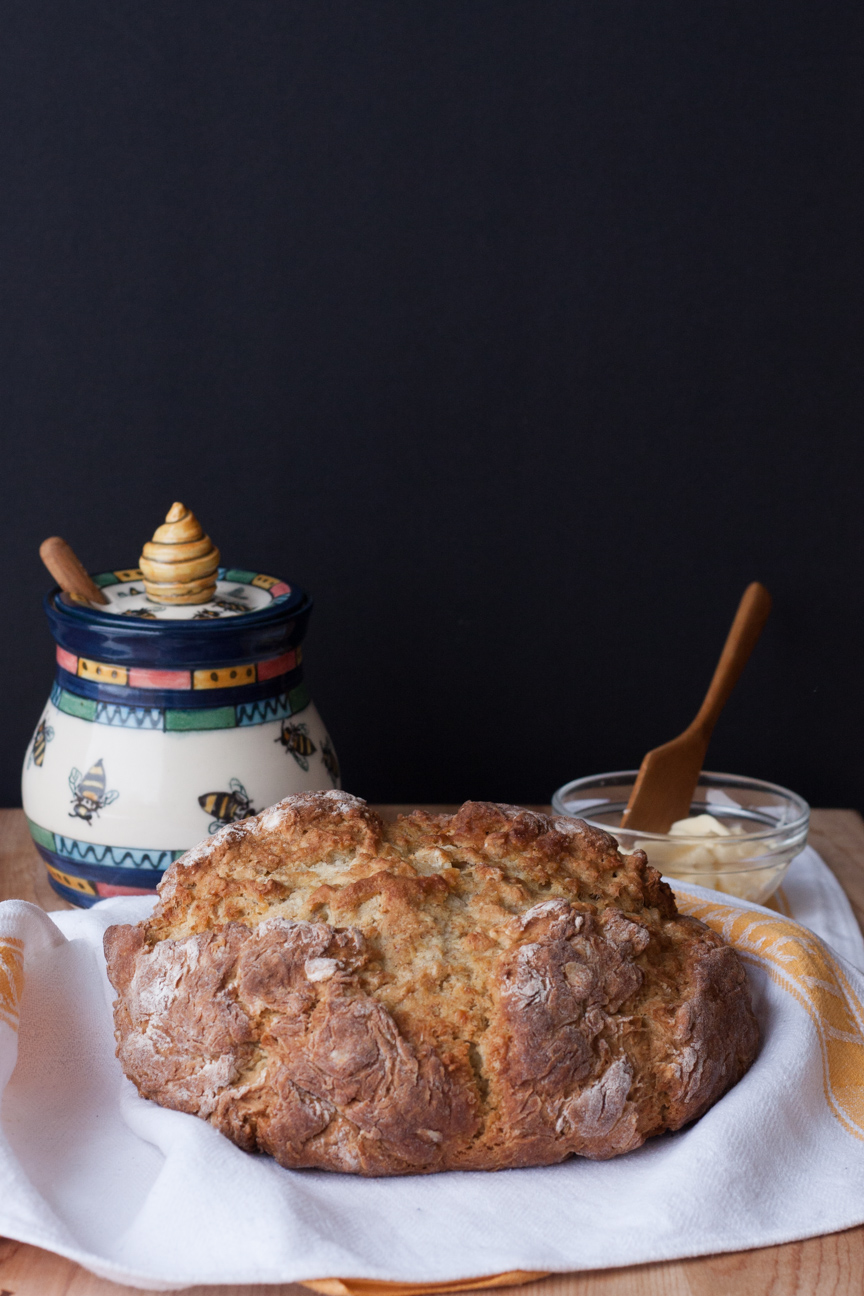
[113, 856]
[275, 708]
[127, 717]
[131, 717]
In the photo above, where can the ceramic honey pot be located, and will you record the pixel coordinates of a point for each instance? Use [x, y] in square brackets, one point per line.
[178, 706]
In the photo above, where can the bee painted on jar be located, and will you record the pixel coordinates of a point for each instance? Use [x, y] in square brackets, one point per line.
[228, 605]
[207, 615]
[227, 807]
[43, 735]
[331, 763]
[295, 739]
[88, 792]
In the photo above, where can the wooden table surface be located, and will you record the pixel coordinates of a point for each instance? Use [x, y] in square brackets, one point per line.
[823, 1266]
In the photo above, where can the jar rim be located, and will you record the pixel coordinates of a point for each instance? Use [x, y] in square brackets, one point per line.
[81, 614]
[266, 632]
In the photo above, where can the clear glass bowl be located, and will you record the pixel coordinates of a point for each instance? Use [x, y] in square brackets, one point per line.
[767, 827]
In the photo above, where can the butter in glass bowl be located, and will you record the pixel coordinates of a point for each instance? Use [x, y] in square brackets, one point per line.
[740, 837]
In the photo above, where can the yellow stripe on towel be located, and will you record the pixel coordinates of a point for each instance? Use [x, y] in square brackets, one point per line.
[11, 978]
[371, 1287]
[798, 962]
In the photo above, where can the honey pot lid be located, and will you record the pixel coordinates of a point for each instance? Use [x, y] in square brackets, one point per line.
[179, 578]
[179, 605]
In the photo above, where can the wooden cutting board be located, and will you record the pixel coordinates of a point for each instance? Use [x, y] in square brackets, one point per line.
[824, 1266]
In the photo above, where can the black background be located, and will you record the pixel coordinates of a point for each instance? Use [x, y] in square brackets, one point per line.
[523, 334]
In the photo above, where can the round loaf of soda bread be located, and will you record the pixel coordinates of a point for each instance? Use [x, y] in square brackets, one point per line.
[475, 991]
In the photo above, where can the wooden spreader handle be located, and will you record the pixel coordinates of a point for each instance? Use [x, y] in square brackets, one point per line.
[68, 571]
[746, 628]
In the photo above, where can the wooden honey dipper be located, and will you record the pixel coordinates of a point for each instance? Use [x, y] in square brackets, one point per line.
[69, 572]
[179, 564]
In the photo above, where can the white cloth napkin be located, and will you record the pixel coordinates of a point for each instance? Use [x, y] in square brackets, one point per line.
[812, 896]
[158, 1199]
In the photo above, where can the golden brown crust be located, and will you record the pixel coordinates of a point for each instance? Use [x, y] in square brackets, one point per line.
[489, 989]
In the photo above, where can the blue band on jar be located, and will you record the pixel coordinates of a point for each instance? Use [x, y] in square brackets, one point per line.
[129, 642]
[86, 872]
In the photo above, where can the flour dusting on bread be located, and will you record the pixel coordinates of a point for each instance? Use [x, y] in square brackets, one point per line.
[483, 990]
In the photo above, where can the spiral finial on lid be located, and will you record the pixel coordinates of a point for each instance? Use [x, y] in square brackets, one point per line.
[179, 564]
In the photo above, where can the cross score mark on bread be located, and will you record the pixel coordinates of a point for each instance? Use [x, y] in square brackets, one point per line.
[477, 991]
